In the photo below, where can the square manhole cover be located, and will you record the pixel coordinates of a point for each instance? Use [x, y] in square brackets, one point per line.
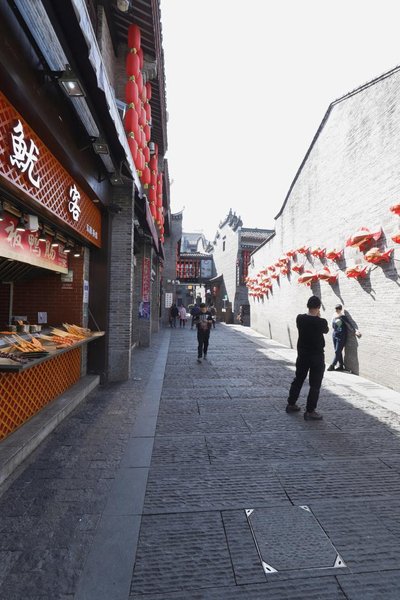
[291, 538]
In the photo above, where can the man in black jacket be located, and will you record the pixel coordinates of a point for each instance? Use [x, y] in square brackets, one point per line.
[310, 359]
[340, 327]
[203, 322]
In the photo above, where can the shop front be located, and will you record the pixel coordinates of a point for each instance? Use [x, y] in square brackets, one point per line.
[49, 227]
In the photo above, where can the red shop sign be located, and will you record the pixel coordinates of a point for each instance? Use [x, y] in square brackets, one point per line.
[28, 168]
[146, 280]
[25, 247]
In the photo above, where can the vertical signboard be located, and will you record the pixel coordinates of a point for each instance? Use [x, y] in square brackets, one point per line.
[144, 306]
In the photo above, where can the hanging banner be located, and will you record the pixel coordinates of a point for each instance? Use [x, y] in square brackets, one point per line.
[144, 305]
[25, 247]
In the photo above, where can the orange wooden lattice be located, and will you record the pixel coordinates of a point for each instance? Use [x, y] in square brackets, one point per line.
[24, 394]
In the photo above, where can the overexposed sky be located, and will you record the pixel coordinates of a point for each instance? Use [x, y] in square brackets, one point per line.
[248, 83]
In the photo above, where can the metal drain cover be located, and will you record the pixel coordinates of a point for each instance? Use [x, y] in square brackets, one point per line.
[291, 538]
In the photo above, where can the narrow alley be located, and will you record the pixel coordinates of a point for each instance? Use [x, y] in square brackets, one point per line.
[190, 482]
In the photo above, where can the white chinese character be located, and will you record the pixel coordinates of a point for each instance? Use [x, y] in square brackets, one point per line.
[73, 206]
[13, 238]
[23, 158]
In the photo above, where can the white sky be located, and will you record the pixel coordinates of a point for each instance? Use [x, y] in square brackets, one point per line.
[248, 83]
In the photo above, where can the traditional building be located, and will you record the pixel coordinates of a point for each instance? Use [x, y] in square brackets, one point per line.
[339, 227]
[231, 251]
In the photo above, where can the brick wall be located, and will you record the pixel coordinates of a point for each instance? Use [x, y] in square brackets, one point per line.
[121, 288]
[350, 179]
[47, 293]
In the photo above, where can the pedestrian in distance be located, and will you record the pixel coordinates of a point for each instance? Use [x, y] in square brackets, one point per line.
[203, 322]
[310, 359]
[213, 314]
[182, 316]
[341, 325]
[173, 313]
[194, 312]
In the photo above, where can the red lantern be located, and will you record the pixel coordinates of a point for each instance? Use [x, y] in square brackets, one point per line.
[326, 275]
[131, 120]
[148, 90]
[146, 175]
[133, 146]
[139, 81]
[334, 254]
[147, 109]
[297, 268]
[146, 152]
[152, 193]
[357, 272]
[141, 58]
[302, 250]
[131, 92]
[153, 163]
[144, 94]
[132, 65]
[134, 37]
[147, 132]
[317, 252]
[308, 277]
[142, 117]
[143, 137]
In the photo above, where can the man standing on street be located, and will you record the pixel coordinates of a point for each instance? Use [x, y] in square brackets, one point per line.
[341, 325]
[203, 322]
[310, 358]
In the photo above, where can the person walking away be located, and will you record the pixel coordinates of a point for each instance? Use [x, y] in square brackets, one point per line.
[194, 312]
[310, 359]
[173, 314]
[213, 314]
[203, 322]
[182, 316]
[340, 327]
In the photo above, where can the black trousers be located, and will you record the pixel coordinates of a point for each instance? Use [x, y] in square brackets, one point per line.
[203, 338]
[314, 364]
[339, 344]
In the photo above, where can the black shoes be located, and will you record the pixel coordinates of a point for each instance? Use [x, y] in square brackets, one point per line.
[199, 360]
[292, 408]
[312, 416]
[331, 368]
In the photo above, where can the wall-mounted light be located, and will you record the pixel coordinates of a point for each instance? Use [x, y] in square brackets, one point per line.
[100, 147]
[21, 226]
[68, 247]
[123, 5]
[55, 242]
[1, 212]
[70, 83]
[116, 179]
[77, 252]
[42, 235]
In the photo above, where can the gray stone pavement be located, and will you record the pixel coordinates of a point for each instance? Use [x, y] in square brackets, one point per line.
[197, 485]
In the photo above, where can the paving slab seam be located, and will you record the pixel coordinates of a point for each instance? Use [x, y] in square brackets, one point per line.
[108, 569]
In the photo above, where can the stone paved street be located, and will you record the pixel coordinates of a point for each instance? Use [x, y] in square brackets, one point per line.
[204, 488]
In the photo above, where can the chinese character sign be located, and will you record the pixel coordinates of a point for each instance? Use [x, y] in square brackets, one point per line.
[24, 157]
[73, 204]
[146, 280]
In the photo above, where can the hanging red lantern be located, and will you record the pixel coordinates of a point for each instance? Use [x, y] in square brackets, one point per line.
[143, 95]
[152, 193]
[143, 137]
[327, 275]
[147, 109]
[146, 175]
[153, 163]
[134, 37]
[142, 117]
[131, 122]
[131, 92]
[133, 146]
[308, 277]
[317, 252]
[291, 253]
[303, 250]
[139, 81]
[146, 152]
[147, 132]
[141, 57]
[297, 268]
[132, 65]
[148, 90]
